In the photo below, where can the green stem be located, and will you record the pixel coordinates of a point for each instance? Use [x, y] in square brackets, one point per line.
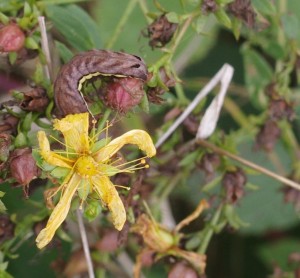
[180, 94]
[169, 187]
[103, 120]
[210, 230]
[237, 114]
[144, 8]
[131, 5]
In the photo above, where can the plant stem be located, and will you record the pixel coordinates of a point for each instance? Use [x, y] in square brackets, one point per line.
[144, 8]
[237, 114]
[210, 230]
[131, 5]
[85, 244]
[103, 120]
[249, 164]
[45, 47]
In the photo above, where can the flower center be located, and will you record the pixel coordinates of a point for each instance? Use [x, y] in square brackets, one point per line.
[86, 166]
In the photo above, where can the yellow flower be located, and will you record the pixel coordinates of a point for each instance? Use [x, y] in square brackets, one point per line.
[90, 168]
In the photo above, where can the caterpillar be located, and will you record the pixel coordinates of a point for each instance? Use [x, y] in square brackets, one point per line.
[85, 65]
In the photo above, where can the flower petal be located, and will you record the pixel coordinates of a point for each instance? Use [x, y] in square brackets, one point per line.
[75, 130]
[49, 156]
[137, 137]
[110, 197]
[59, 213]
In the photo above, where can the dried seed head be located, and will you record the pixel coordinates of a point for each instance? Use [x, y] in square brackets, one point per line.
[209, 6]
[23, 167]
[8, 124]
[267, 136]
[280, 109]
[5, 142]
[154, 93]
[161, 31]
[122, 94]
[209, 163]
[155, 237]
[35, 100]
[243, 10]
[12, 38]
[6, 228]
[233, 182]
[292, 195]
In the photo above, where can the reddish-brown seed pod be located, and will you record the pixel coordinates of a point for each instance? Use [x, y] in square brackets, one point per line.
[12, 38]
[84, 66]
[23, 167]
[124, 93]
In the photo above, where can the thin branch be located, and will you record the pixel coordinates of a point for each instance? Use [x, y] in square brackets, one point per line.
[85, 244]
[131, 5]
[45, 47]
[250, 164]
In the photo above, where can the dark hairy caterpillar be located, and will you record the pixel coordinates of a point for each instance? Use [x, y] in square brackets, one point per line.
[85, 65]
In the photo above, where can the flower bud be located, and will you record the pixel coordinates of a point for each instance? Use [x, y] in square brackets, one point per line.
[23, 167]
[12, 38]
[124, 93]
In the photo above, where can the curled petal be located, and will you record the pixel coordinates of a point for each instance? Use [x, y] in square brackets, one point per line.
[59, 213]
[137, 137]
[110, 197]
[49, 156]
[75, 130]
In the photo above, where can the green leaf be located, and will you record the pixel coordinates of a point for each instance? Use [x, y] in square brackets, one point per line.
[60, 172]
[64, 52]
[30, 43]
[277, 252]
[99, 144]
[291, 26]
[92, 210]
[236, 27]
[26, 124]
[20, 140]
[275, 50]
[144, 104]
[3, 18]
[4, 274]
[223, 18]
[258, 73]
[173, 17]
[189, 159]
[199, 23]
[233, 218]
[76, 26]
[12, 57]
[2, 207]
[264, 6]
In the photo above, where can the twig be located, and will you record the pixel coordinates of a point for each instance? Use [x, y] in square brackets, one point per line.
[85, 244]
[250, 164]
[45, 47]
